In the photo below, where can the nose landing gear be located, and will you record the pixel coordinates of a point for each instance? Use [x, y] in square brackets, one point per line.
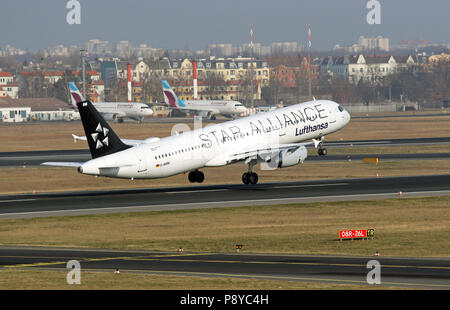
[319, 143]
[322, 151]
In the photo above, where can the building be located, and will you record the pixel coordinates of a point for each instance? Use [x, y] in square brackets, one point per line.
[9, 88]
[443, 57]
[375, 44]
[372, 68]
[379, 43]
[227, 69]
[33, 109]
[222, 90]
[285, 47]
[14, 114]
[291, 70]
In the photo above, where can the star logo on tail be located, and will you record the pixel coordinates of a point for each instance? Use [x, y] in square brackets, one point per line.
[96, 136]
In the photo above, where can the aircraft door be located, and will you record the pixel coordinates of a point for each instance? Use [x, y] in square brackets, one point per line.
[142, 161]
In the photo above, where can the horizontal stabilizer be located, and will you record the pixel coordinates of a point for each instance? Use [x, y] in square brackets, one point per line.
[129, 142]
[62, 164]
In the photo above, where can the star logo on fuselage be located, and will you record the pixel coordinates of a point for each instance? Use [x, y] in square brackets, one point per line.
[96, 136]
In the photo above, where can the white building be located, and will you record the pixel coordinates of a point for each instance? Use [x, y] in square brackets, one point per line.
[9, 88]
[14, 114]
[367, 67]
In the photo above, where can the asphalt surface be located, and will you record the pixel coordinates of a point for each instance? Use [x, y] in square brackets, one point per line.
[215, 196]
[35, 158]
[403, 272]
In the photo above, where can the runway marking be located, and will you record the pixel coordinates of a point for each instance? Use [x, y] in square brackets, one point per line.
[310, 185]
[17, 200]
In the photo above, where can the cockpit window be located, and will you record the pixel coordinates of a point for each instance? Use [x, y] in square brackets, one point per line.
[341, 108]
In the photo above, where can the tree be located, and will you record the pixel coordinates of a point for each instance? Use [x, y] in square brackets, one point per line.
[215, 85]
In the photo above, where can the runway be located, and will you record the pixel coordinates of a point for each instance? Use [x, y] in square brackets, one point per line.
[216, 196]
[404, 272]
[35, 158]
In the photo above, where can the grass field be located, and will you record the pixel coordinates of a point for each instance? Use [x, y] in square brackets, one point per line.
[418, 227]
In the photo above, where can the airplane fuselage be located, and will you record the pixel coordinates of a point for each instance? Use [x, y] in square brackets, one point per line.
[213, 145]
[123, 109]
[214, 107]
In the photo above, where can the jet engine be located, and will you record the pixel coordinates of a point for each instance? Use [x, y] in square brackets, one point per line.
[287, 158]
[109, 116]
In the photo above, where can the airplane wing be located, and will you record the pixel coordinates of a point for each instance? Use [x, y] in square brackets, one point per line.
[265, 153]
[126, 141]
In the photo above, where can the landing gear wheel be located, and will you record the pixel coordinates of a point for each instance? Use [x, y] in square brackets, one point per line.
[253, 178]
[196, 176]
[213, 118]
[245, 178]
[322, 152]
[200, 177]
[249, 178]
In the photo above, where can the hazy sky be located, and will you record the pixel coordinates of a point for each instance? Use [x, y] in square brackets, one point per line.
[194, 24]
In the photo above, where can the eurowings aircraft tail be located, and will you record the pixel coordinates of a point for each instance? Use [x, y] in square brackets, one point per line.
[170, 98]
[101, 138]
[75, 94]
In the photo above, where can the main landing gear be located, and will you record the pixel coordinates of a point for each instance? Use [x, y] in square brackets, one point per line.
[196, 176]
[250, 177]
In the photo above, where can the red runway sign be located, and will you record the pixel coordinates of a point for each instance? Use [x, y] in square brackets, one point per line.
[359, 233]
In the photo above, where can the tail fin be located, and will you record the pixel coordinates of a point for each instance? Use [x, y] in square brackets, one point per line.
[170, 98]
[75, 94]
[101, 138]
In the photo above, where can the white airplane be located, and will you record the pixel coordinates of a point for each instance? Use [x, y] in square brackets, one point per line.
[275, 139]
[205, 108]
[113, 110]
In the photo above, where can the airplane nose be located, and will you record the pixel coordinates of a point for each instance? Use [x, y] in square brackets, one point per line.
[347, 116]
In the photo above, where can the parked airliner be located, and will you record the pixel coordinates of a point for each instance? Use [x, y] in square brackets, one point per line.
[204, 108]
[276, 139]
[113, 110]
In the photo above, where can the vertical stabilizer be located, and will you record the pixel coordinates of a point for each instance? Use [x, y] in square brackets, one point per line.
[170, 98]
[101, 138]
